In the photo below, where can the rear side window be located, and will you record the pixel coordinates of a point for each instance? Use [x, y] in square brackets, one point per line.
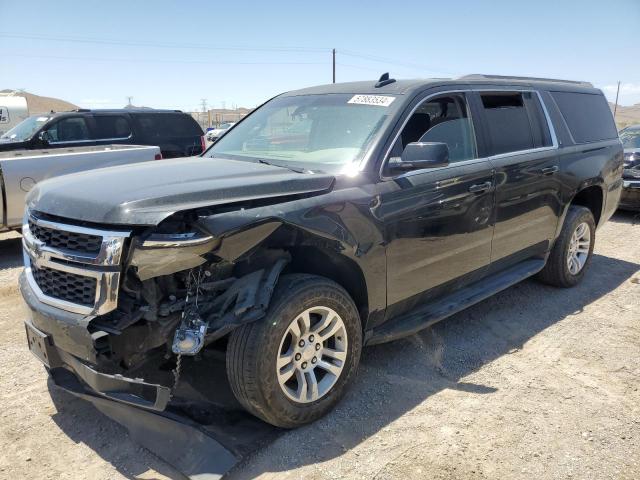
[111, 127]
[168, 125]
[515, 121]
[587, 115]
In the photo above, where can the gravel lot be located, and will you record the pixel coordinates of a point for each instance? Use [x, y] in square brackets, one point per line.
[535, 382]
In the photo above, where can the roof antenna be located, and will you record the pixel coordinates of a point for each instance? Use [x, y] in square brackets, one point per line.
[384, 80]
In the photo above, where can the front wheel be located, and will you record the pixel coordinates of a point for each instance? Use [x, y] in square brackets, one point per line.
[573, 249]
[294, 365]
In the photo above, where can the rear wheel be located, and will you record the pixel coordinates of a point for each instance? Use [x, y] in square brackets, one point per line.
[294, 365]
[572, 251]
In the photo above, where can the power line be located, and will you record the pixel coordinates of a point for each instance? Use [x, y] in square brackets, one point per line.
[376, 58]
[150, 60]
[106, 41]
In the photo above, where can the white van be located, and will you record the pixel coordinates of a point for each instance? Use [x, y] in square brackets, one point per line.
[13, 110]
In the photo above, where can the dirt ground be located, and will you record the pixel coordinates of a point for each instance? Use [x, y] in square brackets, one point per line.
[535, 382]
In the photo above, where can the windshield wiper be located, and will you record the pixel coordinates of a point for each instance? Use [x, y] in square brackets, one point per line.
[288, 167]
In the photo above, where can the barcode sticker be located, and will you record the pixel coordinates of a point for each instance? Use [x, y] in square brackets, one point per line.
[377, 100]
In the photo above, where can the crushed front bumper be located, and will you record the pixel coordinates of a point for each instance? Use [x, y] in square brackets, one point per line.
[133, 391]
[60, 339]
[199, 449]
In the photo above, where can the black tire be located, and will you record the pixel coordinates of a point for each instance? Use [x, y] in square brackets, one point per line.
[556, 271]
[253, 349]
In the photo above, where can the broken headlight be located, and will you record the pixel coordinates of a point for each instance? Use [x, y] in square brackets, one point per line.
[167, 253]
[174, 240]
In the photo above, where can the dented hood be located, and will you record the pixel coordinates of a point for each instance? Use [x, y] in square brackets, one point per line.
[147, 193]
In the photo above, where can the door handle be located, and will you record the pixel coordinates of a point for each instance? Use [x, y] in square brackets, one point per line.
[480, 187]
[549, 170]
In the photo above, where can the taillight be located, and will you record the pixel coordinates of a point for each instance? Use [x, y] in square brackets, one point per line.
[203, 143]
[158, 156]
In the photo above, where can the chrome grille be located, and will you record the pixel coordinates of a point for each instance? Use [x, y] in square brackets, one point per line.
[79, 242]
[65, 286]
[72, 267]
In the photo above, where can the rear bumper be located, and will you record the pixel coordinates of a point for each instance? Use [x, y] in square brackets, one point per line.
[630, 198]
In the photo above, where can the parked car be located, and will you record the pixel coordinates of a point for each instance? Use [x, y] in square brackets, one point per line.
[21, 170]
[13, 110]
[176, 133]
[219, 131]
[406, 202]
[630, 137]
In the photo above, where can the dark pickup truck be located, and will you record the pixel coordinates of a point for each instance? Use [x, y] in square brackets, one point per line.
[329, 219]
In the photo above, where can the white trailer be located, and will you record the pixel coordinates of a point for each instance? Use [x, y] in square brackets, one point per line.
[13, 110]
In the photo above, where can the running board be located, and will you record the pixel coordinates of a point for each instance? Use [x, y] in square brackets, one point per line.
[429, 313]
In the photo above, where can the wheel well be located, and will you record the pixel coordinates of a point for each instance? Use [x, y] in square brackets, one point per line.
[592, 198]
[344, 271]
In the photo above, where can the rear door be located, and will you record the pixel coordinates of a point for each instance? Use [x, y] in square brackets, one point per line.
[437, 222]
[524, 155]
[109, 128]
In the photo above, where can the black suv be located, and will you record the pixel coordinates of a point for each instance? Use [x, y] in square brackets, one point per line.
[630, 137]
[176, 133]
[328, 219]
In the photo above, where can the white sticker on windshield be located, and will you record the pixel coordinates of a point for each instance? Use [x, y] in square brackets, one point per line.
[377, 100]
[42, 119]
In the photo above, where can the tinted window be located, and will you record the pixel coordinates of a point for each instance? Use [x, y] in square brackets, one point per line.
[537, 119]
[587, 115]
[111, 126]
[168, 125]
[69, 130]
[442, 119]
[508, 122]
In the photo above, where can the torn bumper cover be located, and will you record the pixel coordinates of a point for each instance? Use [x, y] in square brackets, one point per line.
[199, 451]
[115, 387]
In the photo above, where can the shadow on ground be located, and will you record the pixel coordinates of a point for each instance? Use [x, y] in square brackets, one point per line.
[419, 366]
[10, 253]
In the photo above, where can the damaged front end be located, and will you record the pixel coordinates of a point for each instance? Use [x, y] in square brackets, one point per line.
[120, 308]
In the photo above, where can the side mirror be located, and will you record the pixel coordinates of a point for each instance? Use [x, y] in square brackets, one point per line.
[44, 137]
[419, 155]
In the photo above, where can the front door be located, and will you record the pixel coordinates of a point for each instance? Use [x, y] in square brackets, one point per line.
[438, 222]
[67, 132]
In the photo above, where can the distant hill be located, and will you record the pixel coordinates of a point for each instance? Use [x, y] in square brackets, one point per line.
[38, 104]
[627, 115]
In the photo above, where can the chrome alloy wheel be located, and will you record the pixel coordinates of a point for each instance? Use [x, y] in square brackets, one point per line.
[312, 354]
[579, 248]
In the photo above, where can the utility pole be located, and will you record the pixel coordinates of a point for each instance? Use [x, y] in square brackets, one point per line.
[334, 65]
[204, 104]
[615, 107]
[129, 104]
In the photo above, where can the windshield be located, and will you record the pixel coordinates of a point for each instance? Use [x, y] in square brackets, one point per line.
[325, 132]
[25, 129]
[630, 138]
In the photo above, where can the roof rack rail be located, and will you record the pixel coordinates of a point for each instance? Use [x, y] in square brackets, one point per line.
[480, 76]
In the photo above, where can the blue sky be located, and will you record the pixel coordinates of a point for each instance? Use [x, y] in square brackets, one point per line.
[172, 54]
